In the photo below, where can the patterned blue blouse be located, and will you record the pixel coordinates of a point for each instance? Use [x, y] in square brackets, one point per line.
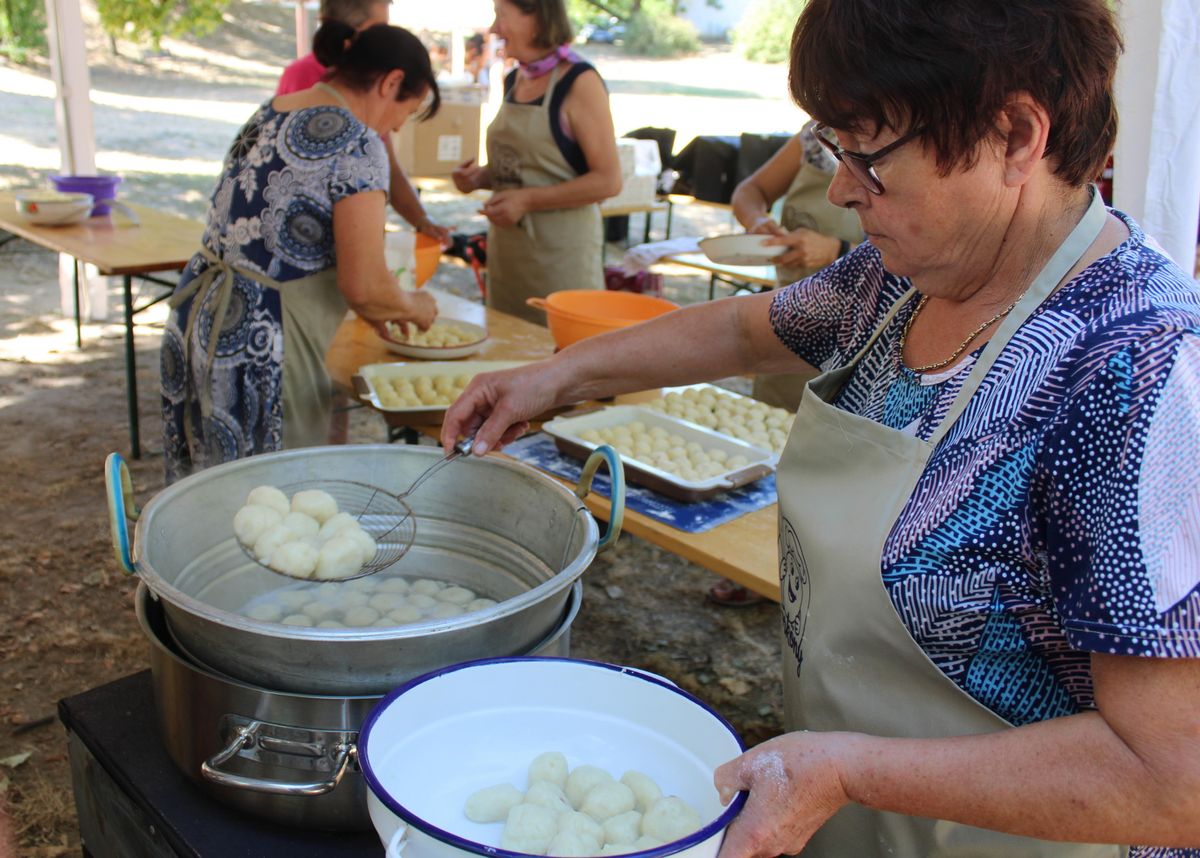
[271, 214]
[1061, 514]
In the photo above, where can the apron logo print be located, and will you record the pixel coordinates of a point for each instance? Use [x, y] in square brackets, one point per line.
[795, 587]
[506, 170]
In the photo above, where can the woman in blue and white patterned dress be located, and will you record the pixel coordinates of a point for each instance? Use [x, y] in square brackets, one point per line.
[989, 530]
[294, 236]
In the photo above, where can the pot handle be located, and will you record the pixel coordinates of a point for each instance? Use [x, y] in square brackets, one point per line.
[397, 842]
[244, 737]
[616, 474]
[121, 509]
[539, 303]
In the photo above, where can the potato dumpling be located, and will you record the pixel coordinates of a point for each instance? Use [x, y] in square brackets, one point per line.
[440, 335]
[421, 391]
[363, 602]
[736, 416]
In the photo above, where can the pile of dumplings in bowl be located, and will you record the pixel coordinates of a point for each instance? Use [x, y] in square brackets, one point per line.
[305, 536]
[582, 812]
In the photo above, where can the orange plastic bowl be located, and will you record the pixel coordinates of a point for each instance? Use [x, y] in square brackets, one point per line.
[428, 253]
[576, 314]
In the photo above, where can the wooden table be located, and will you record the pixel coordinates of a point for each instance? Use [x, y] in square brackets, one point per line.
[649, 207]
[754, 277]
[742, 550]
[162, 242]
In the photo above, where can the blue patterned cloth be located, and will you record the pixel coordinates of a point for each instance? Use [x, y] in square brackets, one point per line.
[1061, 514]
[271, 215]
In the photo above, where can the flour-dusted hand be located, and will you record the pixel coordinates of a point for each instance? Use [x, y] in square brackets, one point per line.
[497, 406]
[421, 309]
[795, 785]
[469, 176]
[806, 248]
[506, 208]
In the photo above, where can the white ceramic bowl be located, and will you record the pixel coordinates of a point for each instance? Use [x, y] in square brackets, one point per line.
[53, 207]
[434, 741]
[478, 338]
[742, 249]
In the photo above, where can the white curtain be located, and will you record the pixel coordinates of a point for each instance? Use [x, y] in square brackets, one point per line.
[1157, 160]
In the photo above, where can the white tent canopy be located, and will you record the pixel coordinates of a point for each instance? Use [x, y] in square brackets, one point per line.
[1156, 176]
[1157, 159]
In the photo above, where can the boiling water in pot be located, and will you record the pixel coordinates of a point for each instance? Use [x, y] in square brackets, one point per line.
[377, 601]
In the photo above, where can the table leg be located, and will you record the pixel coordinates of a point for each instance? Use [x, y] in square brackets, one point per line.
[135, 445]
[78, 321]
[670, 211]
[646, 235]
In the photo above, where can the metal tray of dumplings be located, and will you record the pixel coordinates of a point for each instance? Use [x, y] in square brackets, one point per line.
[566, 434]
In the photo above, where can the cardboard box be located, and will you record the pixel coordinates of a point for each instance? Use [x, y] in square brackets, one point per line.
[438, 145]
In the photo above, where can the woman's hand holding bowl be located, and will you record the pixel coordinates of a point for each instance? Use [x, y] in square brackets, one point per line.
[795, 784]
[806, 248]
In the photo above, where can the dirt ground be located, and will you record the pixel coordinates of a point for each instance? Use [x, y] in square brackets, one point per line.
[66, 614]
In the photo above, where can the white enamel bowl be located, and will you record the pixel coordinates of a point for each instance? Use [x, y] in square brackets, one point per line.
[742, 249]
[53, 207]
[434, 741]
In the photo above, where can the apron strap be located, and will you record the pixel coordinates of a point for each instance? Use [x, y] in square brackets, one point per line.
[341, 99]
[199, 287]
[549, 89]
[1044, 284]
[887, 320]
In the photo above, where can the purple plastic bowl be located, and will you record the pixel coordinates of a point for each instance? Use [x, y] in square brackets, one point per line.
[100, 187]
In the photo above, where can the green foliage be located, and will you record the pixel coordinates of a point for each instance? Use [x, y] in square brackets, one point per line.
[765, 32]
[148, 21]
[654, 33]
[22, 28]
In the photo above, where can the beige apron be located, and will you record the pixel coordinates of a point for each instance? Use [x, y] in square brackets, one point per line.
[849, 661]
[547, 250]
[312, 309]
[805, 205]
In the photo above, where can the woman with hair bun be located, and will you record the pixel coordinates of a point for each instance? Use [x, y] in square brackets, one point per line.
[294, 236]
[307, 70]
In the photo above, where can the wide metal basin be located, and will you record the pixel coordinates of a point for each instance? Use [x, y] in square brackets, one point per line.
[495, 526]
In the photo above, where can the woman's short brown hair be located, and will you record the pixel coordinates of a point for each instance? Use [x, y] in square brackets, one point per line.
[553, 25]
[949, 67]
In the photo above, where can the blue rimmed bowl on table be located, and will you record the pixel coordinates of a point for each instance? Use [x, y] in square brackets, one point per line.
[436, 740]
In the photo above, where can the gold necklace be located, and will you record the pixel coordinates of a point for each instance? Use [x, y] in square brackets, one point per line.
[962, 348]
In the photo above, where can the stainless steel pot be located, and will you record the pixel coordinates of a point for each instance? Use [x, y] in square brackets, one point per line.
[495, 526]
[283, 756]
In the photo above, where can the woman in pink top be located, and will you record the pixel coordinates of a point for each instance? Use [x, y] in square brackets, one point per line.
[306, 71]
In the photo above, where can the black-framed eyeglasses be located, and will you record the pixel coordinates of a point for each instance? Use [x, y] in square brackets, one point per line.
[861, 164]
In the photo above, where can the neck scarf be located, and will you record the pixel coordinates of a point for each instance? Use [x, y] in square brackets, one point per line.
[546, 64]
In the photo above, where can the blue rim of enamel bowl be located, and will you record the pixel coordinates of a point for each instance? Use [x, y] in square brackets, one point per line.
[696, 837]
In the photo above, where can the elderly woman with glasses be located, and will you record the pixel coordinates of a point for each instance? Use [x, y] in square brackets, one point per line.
[989, 501]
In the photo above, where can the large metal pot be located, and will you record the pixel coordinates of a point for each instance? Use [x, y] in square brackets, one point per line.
[490, 524]
[287, 757]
